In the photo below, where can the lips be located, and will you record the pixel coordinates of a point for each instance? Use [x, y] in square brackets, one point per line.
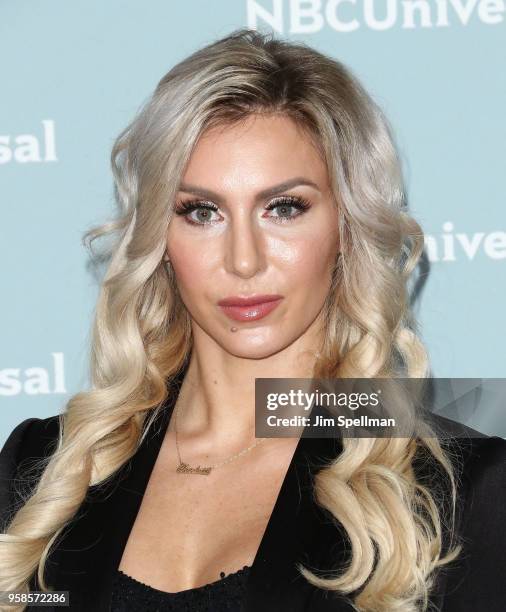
[249, 308]
[251, 300]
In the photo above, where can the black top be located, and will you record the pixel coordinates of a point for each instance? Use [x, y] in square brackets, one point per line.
[224, 595]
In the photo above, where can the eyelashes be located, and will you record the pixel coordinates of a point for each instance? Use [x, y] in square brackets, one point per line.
[185, 209]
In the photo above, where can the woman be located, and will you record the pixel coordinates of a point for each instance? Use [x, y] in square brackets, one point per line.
[258, 169]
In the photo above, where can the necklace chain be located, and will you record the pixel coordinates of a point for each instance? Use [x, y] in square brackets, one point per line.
[184, 468]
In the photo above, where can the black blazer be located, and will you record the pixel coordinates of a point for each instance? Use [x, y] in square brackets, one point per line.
[85, 558]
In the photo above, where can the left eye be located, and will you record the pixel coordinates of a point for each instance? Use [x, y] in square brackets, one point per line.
[285, 204]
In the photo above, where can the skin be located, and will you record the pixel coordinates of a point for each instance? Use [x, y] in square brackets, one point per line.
[215, 523]
[243, 249]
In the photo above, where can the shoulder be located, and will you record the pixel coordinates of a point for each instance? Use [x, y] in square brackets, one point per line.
[31, 437]
[479, 463]
[480, 459]
[31, 440]
[474, 580]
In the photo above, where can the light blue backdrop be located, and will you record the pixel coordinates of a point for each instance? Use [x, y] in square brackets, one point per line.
[74, 73]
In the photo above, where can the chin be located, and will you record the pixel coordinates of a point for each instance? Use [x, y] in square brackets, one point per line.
[249, 346]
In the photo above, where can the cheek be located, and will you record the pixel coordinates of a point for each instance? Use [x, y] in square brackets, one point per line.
[305, 266]
[191, 266]
[304, 259]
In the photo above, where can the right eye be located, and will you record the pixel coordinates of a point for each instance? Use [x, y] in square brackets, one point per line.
[203, 209]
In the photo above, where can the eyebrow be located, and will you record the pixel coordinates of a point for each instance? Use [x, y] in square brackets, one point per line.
[265, 193]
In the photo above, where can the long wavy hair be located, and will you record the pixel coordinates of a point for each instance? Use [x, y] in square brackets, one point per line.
[142, 335]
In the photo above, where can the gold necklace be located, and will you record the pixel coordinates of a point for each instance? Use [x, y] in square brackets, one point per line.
[184, 468]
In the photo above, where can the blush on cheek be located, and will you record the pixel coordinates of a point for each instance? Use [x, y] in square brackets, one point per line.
[184, 259]
[193, 278]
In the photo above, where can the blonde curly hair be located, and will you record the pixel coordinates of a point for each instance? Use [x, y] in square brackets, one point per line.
[142, 334]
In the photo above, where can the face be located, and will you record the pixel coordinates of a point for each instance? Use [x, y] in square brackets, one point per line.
[254, 216]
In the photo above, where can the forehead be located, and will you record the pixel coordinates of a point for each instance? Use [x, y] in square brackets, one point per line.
[255, 152]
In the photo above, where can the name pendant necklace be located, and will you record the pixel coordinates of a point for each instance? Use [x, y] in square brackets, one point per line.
[185, 468]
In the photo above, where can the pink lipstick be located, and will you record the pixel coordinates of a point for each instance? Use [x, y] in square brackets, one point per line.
[250, 308]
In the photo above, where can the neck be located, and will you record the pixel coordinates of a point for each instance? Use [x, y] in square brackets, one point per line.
[216, 403]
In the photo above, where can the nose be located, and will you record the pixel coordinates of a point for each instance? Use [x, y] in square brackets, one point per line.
[244, 250]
